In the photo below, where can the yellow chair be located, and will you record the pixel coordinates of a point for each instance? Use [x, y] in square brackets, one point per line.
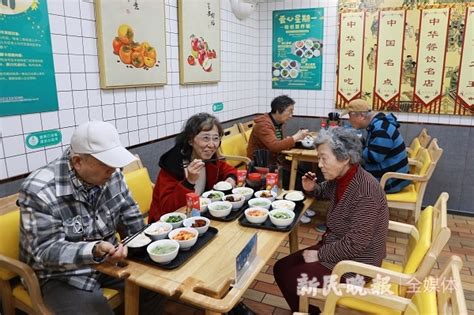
[246, 128]
[14, 294]
[426, 241]
[420, 141]
[234, 147]
[411, 197]
[426, 300]
[141, 188]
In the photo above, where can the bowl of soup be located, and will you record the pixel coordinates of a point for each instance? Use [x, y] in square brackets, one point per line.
[186, 237]
[260, 202]
[163, 251]
[173, 218]
[281, 217]
[220, 209]
[256, 215]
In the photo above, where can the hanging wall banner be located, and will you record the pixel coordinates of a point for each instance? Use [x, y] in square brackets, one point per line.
[465, 93]
[27, 82]
[297, 49]
[351, 49]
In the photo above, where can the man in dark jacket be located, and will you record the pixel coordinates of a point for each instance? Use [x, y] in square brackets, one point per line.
[384, 149]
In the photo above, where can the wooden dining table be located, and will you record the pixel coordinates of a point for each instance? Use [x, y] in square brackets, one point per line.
[207, 279]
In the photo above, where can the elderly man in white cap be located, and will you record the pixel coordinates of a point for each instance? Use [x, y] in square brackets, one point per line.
[70, 210]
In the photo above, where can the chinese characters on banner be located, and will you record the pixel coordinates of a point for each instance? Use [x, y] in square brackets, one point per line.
[26, 60]
[429, 72]
[351, 46]
[297, 49]
[421, 62]
[465, 93]
[389, 58]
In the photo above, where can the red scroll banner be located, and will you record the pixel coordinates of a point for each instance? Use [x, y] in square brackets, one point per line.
[389, 59]
[350, 58]
[430, 61]
[465, 93]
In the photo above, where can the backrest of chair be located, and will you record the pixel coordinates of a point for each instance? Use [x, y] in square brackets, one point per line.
[450, 295]
[246, 128]
[135, 165]
[434, 150]
[413, 148]
[424, 137]
[10, 239]
[417, 248]
[141, 188]
[425, 167]
[439, 237]
[233, 143]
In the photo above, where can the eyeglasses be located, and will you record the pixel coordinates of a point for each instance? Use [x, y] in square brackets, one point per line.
[208, 138]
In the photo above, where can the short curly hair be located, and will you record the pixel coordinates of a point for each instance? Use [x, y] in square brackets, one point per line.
[344, 143]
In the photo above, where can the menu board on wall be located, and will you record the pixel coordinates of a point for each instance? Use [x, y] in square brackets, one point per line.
[27, 77]
[297, 49]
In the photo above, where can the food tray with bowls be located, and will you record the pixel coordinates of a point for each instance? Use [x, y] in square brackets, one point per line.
[268, 224]
[183, 255]
[234, 214]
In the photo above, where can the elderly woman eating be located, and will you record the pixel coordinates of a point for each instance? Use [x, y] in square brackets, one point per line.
[357, 218]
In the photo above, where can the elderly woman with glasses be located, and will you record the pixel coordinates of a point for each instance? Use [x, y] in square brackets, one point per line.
[185, 168]
[357, 218]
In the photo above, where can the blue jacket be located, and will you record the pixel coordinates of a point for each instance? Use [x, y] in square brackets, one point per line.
[384, 151]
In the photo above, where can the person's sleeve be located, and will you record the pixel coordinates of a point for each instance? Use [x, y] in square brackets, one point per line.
[226, 170]
[268, 137]
[363, 223]
[378, 146]
[321, 191]
[170, 192]
[43, 236]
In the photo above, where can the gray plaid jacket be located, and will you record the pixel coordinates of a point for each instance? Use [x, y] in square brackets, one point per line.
[61, 221]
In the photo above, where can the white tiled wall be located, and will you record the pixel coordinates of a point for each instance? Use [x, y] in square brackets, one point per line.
[145, 114]
[140, 114]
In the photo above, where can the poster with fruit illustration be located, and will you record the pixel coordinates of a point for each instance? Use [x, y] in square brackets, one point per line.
[199, 41]
[131, 41]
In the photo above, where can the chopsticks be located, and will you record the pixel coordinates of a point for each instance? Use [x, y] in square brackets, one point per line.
[127, 239]
[206, 161]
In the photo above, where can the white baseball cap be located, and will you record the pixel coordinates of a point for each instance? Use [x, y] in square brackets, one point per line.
[101, 140]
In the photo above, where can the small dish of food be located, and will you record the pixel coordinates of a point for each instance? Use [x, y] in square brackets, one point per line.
[185, 236]
[256, 215]
[247, 192]
[174, 218]
[237, 200]
[281, 217]
[158, 230]
[283, 204]
[163, 251]
[220, 209]
[295, 196]
[201, 224]
[269, 194]
[138, 244]
[214, 195]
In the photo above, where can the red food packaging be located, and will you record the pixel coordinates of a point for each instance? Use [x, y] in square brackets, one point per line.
[193, 205]
[241, 176]
[271, 182]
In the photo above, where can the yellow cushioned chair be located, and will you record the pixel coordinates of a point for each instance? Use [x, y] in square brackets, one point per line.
[246, 128]
[14, 294]
[141, 188]
[448, 299]
[234, 147]
[411, 197]
[426, 241]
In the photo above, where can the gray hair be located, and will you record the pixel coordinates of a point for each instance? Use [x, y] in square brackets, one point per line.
[344, 143]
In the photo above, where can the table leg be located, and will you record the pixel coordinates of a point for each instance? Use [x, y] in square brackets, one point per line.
[294, 239]
[293, 171]
[132, 298]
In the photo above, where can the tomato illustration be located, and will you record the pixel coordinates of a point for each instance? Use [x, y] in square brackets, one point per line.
[149, 62]
[137, 59]
[116, 44]
[125, 54]
[191, 60]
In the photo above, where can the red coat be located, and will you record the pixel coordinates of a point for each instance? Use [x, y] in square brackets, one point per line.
[171, 185]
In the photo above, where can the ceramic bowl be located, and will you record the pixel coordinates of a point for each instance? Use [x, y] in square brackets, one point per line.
[256, 215]
[220, 209]
[181, 233]
[196, 222]
[163, 251]
[158, 230]
[174, 218]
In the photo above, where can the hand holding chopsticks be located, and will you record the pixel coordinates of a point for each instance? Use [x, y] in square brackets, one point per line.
[111, 251]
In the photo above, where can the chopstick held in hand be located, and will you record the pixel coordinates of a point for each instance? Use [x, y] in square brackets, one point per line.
[206, 161]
